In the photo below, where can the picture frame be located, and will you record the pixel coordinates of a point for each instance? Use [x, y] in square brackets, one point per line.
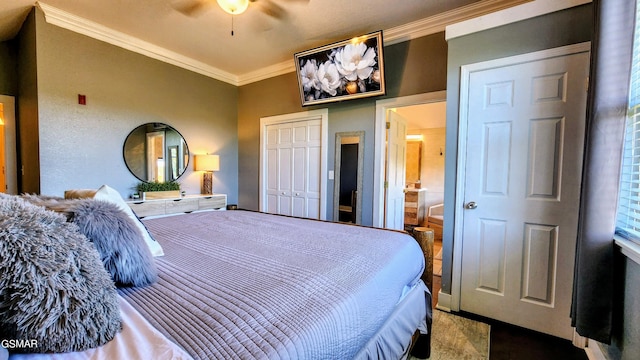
[348, 69]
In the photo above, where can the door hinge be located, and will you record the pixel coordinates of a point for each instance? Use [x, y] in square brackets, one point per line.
[386, 184]
[586, 84]
[388, 125]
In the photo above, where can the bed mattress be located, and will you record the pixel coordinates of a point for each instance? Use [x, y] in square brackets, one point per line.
[240, 284]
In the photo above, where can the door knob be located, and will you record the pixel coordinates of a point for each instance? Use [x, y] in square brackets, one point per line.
[471, 205]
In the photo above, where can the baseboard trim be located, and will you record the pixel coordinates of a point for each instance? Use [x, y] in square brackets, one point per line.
[593, 351]
[444, 301]
[579, 341]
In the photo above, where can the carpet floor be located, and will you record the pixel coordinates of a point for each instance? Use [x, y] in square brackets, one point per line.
[459, 338]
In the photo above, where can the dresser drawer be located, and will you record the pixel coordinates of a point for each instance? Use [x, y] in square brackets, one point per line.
[411, 197]
[212, 202]
[148, 208]
[414, 206]
[181, 205]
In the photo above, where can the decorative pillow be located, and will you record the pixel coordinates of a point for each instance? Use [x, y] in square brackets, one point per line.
[79, 194]
[111, 195]
[54, 289]
[120, 243]
[54, 203]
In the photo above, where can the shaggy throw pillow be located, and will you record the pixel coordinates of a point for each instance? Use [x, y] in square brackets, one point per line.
[111, 195]
[53, 288]
[119, 241]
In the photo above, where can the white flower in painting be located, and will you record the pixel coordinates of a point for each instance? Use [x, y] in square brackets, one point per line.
[355, 61]
[328, 78]
[308, 76]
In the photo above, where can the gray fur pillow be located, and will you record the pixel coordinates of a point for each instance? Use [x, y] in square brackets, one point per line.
[53, 286]
[124, 252]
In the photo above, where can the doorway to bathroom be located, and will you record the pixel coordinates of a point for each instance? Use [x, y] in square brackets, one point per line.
[422, 185]
[423, 119]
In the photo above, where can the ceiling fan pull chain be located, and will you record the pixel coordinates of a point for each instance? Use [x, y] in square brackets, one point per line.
[232, 25]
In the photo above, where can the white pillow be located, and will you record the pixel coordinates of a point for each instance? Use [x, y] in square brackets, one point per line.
[111, 195]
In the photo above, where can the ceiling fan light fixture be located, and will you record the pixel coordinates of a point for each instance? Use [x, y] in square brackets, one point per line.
[234, 7]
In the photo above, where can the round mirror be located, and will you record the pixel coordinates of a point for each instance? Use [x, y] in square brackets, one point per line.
[156, 152]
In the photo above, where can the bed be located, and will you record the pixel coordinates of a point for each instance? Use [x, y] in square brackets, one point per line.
[248, 285]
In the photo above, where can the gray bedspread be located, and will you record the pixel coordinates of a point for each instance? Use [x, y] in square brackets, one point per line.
[240, 284]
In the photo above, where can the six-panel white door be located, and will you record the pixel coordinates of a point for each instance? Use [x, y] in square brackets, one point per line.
[293, 155]
[525, 132]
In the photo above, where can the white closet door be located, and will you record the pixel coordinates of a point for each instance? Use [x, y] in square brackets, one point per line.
[293, 155]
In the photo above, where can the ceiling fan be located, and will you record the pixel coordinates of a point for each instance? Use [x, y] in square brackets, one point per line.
[233, 7]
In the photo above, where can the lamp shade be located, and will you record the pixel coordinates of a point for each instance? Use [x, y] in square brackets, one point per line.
[207, 162]
[234, 7]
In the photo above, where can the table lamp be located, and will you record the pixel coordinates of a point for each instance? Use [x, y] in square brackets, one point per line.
[207, 163]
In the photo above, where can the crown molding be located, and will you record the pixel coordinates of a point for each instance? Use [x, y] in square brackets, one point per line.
[438, 23]
[278, 69]
[416, 29]
[509, 16]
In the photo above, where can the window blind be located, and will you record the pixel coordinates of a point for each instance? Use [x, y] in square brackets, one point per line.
[628, 219]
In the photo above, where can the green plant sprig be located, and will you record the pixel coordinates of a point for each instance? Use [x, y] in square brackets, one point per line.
[157, 186]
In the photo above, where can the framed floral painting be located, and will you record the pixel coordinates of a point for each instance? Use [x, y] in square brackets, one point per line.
[344, 70]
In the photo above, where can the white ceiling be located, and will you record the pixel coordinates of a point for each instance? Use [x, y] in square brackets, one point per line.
[425, 116]
[260, 41]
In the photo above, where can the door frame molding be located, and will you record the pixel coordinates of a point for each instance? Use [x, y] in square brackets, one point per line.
[465, 73]
[10, 135]
[382, 107]
[323, 114]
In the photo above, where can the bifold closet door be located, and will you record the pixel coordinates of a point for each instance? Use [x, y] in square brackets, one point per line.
[293, 168]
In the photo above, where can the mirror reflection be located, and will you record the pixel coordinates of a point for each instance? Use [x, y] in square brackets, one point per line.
[414, 161]
[156, 152]
[348, 166]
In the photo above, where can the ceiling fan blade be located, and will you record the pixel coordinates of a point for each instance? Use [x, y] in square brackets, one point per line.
[270, 8]
[190, 7]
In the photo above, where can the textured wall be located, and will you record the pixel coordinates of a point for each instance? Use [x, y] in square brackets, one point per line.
[80, 146]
